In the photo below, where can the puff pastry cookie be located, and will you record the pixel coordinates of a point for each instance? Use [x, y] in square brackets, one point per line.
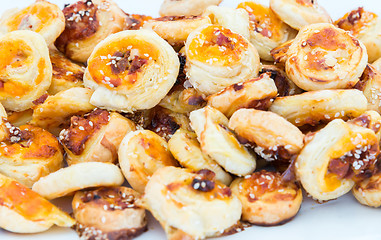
[218, 57]
[109, 213]
[24, 211]
[87, 24]
[368, 191]
[131, 70]
[191, 205]
[185, 7]
[41, 17]
[370, 85]
[369, 119]
[26, 70]
[95, 137]
[141, 154]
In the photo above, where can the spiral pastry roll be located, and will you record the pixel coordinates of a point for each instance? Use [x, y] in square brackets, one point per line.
[365, 26]
[219, 142]
[377, 64]
[41, 17]
[20, 118]
[256, 93]
[267, 200]
[300, 13]
[267, 31]
[25, 69]
[368, 191]
[29, 153]
[141, 154]
[54, 113]
[210, 205]
[320, 106]
[183, 100]
[370, 85]
[279, 53]
[186, 149]
[236, 20]
[76, 177]
[369, 119]
[185, 7]
[66, 74]
[109, 213]
[334, 157]
[95, 137]
[273, 137]
[175, 29]
[218, 57]
[125, 66]
[135, 21]
[325, 57]
[24, 211]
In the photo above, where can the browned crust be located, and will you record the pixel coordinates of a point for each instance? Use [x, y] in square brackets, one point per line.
[62, 66]
[92, 233]
[135, 21]
[163, 123]
[175, 18]
[262, 224]
[40, 100]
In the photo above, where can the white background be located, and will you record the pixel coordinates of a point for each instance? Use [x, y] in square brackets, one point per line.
[340, 219]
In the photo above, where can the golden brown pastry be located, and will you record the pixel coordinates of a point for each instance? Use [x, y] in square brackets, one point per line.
[76, 177]
[87, 24]
[369, 119]
[25, 69]
[24, 211]
[365, 26]
[320, 106]
[109, 213]
[41, 17]
[191, 205]
[95, 137]
[368, 191]
[300, 13]
[219, 142]
[131, 70]
[279, 54]
[141, 154]
[18, 119]
[185, 7]
[267, 31]
[183, 100]
[29, 153]
[135, 21]
[267, 200]
[377, 64]
[218, 57]
[256, 93]
[370, 85]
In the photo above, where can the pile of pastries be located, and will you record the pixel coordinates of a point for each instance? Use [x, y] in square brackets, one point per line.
[214, 116]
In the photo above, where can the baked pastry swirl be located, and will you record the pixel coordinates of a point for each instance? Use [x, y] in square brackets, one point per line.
[368, 191]
[185, 7]
[131, 70]
[26, 70]
[218, 57]
[370, 85]
[24, 211]
[41, 17]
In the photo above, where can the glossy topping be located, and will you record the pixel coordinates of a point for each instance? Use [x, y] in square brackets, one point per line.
[357, 21]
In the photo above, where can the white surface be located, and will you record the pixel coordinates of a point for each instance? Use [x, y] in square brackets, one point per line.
[340, 219]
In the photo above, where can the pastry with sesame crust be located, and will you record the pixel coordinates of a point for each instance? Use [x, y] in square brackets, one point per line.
[185, 7]
[191, 205]
[218, 57]
[26, 70]
[368, 191]
[369, 119]
[41, 17]
[370, 85]
[131, 70]
[88, 22]
[109, 213]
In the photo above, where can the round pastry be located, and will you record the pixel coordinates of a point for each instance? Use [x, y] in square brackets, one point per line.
[183, 100]
[267, 200]
[237, 20]
[274, 138]
[66, 74]
[109, 213]
[55, 112]
[186, 149]
[377, 64]
[29, 153]
[369, 119]
[218, 57]
[370, 85]
[95, 137]
[320, 106]
[368, 191]
[300, 13]
[131, 70]
[41, 17]
[219, 143]
[279, 54]
[24, 211]
[334, 157]
[175, 29]
[256, 93]
[267, 31]
[20, 118]
[141, 154]
[365, 26]
[185, 7]
[323, 56]
[191, 205]
[26, 70]
[135, 21]
[88, 23]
